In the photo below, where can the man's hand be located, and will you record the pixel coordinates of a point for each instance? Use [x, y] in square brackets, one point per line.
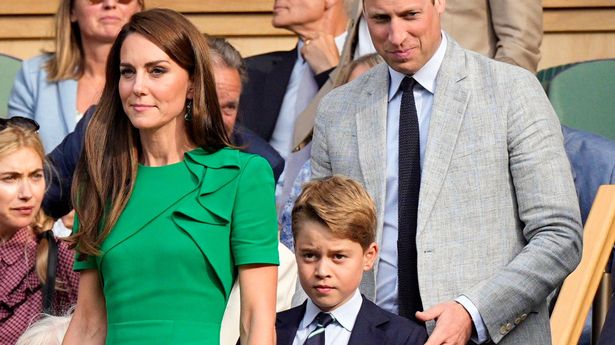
[320, 52]
[453, 324]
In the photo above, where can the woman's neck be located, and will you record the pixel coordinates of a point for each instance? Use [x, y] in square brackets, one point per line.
[164, 147]
[95, 60]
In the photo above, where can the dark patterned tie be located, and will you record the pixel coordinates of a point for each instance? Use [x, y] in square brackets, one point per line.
[408, 201]
[317, 336]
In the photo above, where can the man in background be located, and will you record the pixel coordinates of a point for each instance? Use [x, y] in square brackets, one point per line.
[281, 84]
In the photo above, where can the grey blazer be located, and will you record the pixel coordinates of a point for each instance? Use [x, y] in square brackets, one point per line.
[498, 218]
[52, 104]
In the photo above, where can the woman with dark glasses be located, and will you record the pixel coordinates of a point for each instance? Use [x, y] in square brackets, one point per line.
[35, 269]
[56, 88]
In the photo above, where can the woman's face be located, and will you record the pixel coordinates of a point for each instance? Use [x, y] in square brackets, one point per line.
[22, 186]
[153, 88]
[102, 20]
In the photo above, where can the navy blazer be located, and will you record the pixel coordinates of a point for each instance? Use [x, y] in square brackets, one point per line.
[373, 326]
[263, 93]
[64, 159]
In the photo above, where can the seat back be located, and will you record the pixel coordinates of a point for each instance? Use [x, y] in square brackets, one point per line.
[583, 96]
[545, 76]
[577, 293]
[8, 69]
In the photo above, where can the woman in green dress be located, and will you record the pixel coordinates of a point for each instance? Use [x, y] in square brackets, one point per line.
[168, 214]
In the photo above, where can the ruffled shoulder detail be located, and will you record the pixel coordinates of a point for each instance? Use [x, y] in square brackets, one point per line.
[206, 218]
[213, 171]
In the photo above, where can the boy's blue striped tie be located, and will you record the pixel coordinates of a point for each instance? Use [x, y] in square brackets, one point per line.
[317, 337]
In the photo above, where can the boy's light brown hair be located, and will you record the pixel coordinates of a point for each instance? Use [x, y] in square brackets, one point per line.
[339, 203]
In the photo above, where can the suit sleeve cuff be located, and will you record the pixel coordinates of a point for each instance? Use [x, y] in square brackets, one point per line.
[322, 77]
[481, 334]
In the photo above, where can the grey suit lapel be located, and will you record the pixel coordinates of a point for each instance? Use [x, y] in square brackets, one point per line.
[370, 119]
[450, 101]
[371, 135]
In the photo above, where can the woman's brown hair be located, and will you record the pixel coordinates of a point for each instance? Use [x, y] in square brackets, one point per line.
[369, 60]
[12, 139]
[66, 61]
[106, 171]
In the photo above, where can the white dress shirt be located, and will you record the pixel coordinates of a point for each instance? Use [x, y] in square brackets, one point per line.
[386, 273]
[365, 45]
[338, 332]
[301, 89]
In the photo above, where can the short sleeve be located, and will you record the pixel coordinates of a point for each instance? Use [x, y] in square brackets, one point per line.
[254, 230]
[89, 261]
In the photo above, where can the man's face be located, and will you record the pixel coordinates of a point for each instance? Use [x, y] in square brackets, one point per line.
[406, 33]
[296, 15]
[228, 89]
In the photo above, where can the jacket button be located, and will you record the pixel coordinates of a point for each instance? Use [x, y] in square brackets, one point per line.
[523, 317]
[518, 320]
[503, 330]
[509, 327]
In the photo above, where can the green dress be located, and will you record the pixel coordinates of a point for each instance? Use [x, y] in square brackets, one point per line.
[168, 265]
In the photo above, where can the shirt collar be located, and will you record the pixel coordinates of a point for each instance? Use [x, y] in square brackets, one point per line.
[426, 76]
[14, 249]
[339, 43]
[345, 315]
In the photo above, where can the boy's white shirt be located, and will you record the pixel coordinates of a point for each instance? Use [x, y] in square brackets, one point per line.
[338, 332]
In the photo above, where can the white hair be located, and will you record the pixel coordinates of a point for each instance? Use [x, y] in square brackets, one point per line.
[48, 330]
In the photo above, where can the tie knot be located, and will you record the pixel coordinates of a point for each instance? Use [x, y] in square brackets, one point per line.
[407, 84]
[324, 319]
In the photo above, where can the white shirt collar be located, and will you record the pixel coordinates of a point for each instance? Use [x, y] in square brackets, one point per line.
[345, 315]
[426, 76]
[339, 43]
[340, 40]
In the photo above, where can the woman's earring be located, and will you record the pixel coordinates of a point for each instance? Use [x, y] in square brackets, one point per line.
[188, 115]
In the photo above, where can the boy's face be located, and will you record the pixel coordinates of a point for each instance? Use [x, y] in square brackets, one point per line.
[330, 268]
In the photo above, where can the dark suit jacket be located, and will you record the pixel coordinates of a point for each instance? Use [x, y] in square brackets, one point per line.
[262, 96]
[373, 326]
[250, 142]
[607, 336]
[64, 159]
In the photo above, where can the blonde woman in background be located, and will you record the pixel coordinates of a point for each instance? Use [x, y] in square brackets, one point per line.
[56, 88]
[25, 234]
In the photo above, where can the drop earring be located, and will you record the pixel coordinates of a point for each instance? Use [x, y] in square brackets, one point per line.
[188, 115]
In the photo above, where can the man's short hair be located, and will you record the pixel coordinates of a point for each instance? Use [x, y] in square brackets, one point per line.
[222, 52]
[339, 203]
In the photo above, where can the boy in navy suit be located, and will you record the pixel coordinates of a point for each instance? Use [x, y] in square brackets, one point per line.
[334, 222]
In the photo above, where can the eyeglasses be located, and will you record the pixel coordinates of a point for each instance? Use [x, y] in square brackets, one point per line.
[21, 122]
[123, 2]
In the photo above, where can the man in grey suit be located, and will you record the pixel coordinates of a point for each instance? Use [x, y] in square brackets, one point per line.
[497, 223]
